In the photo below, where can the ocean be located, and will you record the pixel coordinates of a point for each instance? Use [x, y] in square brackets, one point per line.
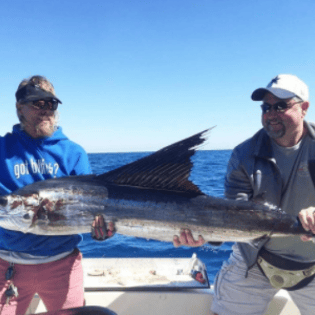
[208, 174]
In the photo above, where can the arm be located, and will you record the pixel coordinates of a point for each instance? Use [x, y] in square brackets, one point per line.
[100, 231]
[237, 186]
[241, 186]
[185, 238]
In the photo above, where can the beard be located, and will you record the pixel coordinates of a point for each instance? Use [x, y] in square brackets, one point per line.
[41, 127]
[272, 133]
[44, 129]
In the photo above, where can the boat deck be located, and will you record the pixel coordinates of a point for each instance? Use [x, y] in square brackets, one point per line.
[142, 286]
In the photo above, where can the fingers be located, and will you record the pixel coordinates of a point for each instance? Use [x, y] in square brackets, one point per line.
[99, 229]
[306, 238]
[176, 241]
[186, 238]
[307, 219]
[191, 241]
[201, 240]
[110, 229]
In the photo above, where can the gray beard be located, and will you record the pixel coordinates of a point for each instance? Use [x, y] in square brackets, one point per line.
[274, 134]
[47, 132]
[41, 133]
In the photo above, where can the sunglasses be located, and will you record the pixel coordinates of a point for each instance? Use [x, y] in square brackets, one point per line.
[279, 107]
[45, 104]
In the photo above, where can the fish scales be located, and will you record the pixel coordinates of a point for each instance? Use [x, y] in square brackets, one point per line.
[150, 198]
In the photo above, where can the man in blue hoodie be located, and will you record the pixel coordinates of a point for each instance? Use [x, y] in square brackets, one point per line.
[37, 150]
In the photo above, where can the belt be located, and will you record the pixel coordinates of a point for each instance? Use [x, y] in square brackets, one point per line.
[284, 273]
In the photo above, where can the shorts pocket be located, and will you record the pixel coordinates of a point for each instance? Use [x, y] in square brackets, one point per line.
[230, 273]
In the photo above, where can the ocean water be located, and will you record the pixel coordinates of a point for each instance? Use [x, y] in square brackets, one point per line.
[208, 174]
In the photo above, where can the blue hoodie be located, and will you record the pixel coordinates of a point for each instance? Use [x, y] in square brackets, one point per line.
[23, 161]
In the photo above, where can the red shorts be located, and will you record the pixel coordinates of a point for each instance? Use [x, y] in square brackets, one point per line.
[59, 284]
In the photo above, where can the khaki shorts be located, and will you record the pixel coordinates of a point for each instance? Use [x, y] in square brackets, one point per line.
[236, 295]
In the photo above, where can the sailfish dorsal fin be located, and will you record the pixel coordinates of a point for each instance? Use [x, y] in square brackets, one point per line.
[166, 169]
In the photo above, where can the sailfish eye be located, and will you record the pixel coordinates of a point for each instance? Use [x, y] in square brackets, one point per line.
[3, 201]
[26, 216]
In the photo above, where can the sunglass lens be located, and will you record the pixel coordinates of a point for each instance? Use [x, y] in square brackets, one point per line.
[281, 106]
[51, 104]
[278, 107]
[265, 108]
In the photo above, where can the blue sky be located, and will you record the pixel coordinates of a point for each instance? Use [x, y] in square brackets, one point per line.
[139, 75]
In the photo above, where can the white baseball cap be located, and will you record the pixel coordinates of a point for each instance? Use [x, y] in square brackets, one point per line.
[283, 86]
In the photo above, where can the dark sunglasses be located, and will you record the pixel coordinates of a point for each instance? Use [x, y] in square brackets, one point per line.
[45, 104]
[279, 107]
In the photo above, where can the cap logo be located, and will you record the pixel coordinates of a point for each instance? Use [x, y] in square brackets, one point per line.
[274, 80]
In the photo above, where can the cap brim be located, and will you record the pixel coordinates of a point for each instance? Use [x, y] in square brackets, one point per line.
[260, 93]
[33, 98]
[30, 93]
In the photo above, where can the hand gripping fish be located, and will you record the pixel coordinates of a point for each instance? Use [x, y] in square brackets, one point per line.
[150, 198]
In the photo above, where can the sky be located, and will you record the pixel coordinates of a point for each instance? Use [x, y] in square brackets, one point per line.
[138, 75]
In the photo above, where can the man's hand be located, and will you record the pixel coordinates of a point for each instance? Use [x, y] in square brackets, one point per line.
[307, 219]
[99, 230]
[186, 238]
